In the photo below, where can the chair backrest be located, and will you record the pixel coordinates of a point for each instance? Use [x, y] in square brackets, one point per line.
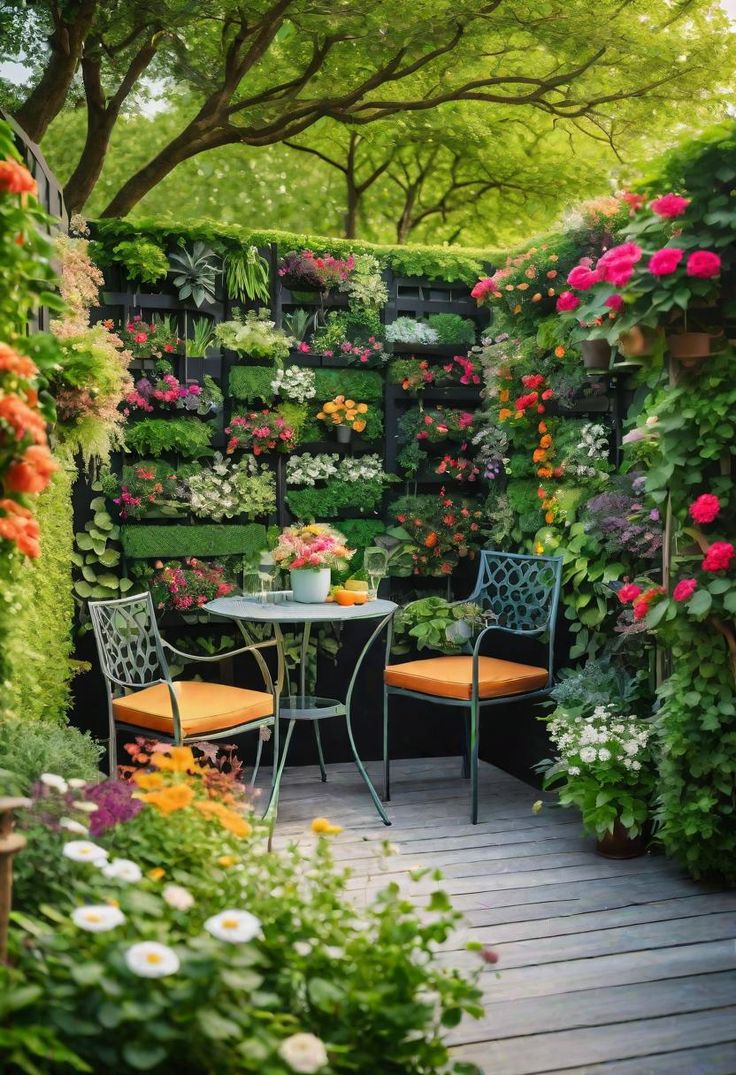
[128, 642]
[522, 592]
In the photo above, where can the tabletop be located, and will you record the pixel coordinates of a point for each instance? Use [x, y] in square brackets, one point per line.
[241, 608]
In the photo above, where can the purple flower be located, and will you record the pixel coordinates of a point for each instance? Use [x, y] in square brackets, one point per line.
[115, 804]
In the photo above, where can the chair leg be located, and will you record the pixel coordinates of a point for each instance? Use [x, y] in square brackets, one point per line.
[273, 804]
[386, 760]
[257, 765]
[474, 736]
[112, 753]
[320, 755]
[465, 769]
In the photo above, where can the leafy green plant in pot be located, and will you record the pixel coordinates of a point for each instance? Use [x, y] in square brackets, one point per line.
[195, 273]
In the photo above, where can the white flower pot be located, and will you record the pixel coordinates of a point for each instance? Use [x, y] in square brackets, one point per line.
[311, 585]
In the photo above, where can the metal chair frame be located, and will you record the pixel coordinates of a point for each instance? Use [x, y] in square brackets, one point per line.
[513, 589]
[132, 657]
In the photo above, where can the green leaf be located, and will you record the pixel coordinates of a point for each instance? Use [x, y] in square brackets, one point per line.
[729, 602]
[700, 603]
[143, 1057]
[216, 1026]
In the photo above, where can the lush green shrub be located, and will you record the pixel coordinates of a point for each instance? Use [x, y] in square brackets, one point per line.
[334, 497]
[251, 384]
[154, 542]
[253, 335]
[39, 645]
[144, 261]
[221, 990]
[360, 533]
[186, 436]
[364, 386]
[29, 748]
[442, 263]
[453, 329]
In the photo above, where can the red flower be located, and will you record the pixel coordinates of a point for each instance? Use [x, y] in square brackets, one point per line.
[614, 302]
[567, 302]
[703, 264]
[684, 589]
[665, 261]
[641, 604]
[719, 556]
[669, 205]
[634, 201]
[629, 593]
[582, 277]
[16, 179]
[705, 508]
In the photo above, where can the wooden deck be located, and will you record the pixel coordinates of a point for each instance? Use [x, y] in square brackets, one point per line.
[626, 968]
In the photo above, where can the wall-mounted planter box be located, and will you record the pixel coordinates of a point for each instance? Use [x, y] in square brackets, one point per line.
[432, 350]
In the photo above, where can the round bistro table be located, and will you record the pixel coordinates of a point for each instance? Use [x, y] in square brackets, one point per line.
[303, 706]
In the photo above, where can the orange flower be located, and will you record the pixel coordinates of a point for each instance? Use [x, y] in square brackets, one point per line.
[539, 456]
[546, 441]
[431, 540]
[359, 425]
[235, 823]
[148, 781]
[156, 873]
[552, 274]
[504, 413]
[168, 800]
[21, 419]
[12, 362]
[544, 472]
[537, 296]
[551, 291]
[560, 352]
[19, 526]
[503, 395]
[33, 472]
[178, 760]
[522, 287]
[517, 309]
[542, 427]
[227, 860]
[16, 179]
[549, 517]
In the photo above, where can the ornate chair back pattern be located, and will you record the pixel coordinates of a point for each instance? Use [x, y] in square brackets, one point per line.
[521, 591]
[128, 642]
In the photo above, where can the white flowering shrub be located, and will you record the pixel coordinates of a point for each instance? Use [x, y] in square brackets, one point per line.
[604, 765]
[310, 469]
[361, 468]
[588, 457]
[295, 383]
[409, 330]
[365, 285]
[228, 488]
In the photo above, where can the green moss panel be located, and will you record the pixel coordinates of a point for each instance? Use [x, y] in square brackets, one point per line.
[171, 542]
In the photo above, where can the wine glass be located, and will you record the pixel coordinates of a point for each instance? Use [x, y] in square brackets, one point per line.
[251, 583]
[375, 564]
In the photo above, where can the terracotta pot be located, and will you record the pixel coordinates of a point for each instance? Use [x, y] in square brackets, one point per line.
[690, 348]
[637, 342]
[619, 845]
[596, 354]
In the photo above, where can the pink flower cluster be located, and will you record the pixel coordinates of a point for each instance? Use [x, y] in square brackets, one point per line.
[189, 585]
[486, 289]
[260, 431]
[705, 509]
[316, 546]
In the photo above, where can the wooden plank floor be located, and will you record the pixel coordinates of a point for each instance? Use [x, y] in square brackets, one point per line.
[627, 968]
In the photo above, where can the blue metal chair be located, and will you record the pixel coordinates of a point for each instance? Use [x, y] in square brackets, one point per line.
[143, 698]
[520, 595]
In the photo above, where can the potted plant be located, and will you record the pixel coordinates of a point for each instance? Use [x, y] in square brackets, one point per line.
[305, 271]
[195, 273]
[604, 766]
[255, 336]
[259, 432]
[596, 354]
[196, 347]
[309, 553]
[345, 415]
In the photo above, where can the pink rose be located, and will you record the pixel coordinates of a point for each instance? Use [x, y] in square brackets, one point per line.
[582, 277]
[630, 252]
[685, 589]
[615, 303]
[629, 593]
[719, 556]
[669, 205]
[705, 508]
[703, 264]
[665, 261]
[567, 302]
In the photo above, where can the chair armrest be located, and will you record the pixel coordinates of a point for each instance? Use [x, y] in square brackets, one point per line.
[218, 656]
[506, 630]
[132, 686]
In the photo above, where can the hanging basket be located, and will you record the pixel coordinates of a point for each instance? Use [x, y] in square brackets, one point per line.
[596, 354]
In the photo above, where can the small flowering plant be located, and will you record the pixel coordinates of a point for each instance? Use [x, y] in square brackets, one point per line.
[148, 339]
[655, 274]
[439, 425]
[312, 547]
[604, 765]
[165, 392]
[340, 411]
[439, 530]
[260, 432]
[186, 586]
[459, 468]
[304, 269]
[146, 489]
[295, 383]
[310, 469]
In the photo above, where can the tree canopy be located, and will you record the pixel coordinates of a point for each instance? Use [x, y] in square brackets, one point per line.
[410, 122]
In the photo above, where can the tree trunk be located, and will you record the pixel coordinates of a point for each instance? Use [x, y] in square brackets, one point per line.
[405, 223]
[81, 182]
[47, 99]
[351, 212]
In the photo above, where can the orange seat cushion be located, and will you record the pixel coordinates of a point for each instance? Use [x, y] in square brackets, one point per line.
[203, 707]
[451, 677]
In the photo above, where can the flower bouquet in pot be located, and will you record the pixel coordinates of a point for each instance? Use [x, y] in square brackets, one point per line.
[345, 415]
[309, 553]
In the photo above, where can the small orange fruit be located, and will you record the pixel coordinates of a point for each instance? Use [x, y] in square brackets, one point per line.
[359, 596]
[345, 597]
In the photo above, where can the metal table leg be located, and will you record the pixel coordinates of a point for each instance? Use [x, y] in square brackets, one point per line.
[348, 703]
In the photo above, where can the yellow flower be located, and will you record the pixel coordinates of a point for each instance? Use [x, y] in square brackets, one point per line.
[235, 824]
[349, 404]
[328, 408]
[517, 309]
[321, 414]
[178, 760]
[323, 827]
[227, 860]
[156, 873]
[169, 799]
[359, 426]
[362, 408]
[539, 548]
[149, 781]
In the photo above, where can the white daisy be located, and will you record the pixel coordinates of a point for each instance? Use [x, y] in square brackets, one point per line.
[71, 825]
[77, 782]
[304, 1053]
[150, 959]
[51, 780]
[97, 918]
[178, 897]
[237, 927]
[84, 851]
[123, 870]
